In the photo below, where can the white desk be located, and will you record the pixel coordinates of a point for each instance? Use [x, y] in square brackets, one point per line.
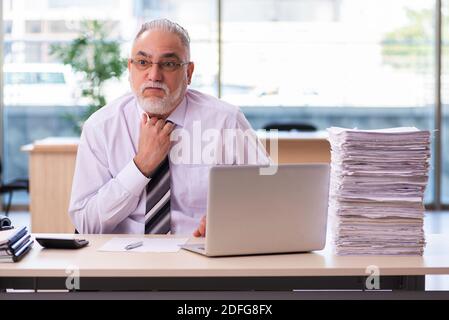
[48, 269]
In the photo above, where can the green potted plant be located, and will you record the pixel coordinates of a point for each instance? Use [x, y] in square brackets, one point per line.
[97, 59]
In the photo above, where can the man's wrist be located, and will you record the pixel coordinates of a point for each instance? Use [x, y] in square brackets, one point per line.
[142, 168]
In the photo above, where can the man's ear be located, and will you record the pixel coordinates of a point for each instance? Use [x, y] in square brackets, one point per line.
[190, 69]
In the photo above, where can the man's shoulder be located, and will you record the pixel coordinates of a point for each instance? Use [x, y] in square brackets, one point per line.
[111, 110]
[210, 104]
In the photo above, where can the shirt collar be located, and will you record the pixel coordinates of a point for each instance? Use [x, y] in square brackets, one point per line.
[178, 115]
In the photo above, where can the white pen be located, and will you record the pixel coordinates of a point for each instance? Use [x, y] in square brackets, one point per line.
[134, 245]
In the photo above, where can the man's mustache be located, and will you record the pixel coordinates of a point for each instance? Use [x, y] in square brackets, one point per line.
[152, 85]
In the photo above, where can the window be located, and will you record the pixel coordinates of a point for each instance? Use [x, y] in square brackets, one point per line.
[50, 78]
[14, 78]
[352, 63]
[63, 4]
[327, 53]
[7, 26]
[33, 52]
[17, 78]
[59, 26]
[33, 26]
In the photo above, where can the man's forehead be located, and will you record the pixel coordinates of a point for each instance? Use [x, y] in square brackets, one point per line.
[158, 42]
[167, 54]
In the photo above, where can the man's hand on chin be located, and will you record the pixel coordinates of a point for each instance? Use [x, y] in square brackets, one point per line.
[201, 231]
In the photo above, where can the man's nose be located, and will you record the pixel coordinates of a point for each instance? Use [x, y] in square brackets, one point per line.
[154, 73]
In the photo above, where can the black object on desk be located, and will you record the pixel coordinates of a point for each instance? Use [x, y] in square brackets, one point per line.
[5, 223]
[62, 243]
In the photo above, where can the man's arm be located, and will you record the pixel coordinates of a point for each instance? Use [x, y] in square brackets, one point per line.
[99, 201]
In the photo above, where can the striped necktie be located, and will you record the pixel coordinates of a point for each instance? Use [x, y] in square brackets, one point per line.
[157, 217]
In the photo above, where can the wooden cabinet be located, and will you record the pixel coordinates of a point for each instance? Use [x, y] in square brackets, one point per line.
[299, 147]
[51, 167]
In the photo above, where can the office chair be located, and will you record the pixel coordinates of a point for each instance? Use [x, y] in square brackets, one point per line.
[292, 126]
[10, 187]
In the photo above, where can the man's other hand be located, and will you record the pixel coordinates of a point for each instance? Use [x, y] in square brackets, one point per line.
[201, 231]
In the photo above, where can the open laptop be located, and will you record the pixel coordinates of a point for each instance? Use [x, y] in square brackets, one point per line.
[250, 213]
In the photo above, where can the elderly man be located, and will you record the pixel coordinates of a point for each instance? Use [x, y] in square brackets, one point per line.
[124, 180]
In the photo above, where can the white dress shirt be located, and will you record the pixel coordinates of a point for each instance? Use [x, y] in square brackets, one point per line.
[108, 191]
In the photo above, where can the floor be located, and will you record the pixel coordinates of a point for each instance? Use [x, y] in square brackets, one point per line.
[434, 222]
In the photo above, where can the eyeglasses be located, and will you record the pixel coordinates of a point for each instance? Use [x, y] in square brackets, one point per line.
[169, 66]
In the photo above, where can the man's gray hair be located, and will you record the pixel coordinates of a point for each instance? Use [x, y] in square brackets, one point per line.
[169, 26]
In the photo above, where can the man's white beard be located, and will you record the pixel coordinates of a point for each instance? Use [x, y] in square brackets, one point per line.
[156, 105]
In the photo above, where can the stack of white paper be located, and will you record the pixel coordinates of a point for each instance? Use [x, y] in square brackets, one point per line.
[377, 184]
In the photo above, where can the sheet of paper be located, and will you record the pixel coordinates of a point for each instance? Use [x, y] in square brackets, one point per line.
[149, 245]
